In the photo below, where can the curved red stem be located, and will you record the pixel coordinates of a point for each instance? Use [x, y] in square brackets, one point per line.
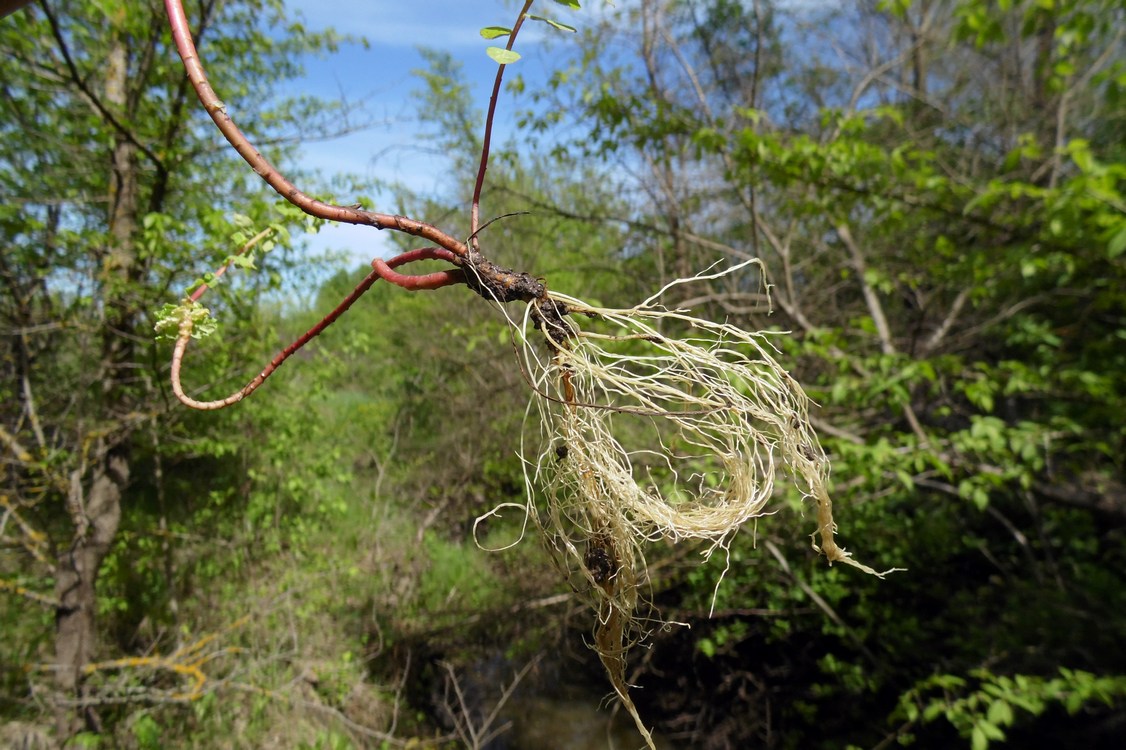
[380, 270]
[414, 283]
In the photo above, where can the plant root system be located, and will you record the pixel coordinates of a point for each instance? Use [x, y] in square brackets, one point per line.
[656, 426]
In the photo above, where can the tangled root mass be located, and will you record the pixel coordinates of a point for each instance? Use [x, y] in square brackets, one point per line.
[657, 425]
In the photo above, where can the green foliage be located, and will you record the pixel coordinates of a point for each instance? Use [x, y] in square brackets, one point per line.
[552, 23]
[985, 705]
[328, 740]
[456, 581]
[170, 317]
[147, 731]
[956, 310]
[86, 282]
[504, 56]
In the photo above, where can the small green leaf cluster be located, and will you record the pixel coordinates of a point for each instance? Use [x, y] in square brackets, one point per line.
[504, 56]
[170, 318]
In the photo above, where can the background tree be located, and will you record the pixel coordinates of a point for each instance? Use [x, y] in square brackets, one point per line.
[936, 217]
[111, 193]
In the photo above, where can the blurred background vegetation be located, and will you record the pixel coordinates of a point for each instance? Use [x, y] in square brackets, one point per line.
[937, 190]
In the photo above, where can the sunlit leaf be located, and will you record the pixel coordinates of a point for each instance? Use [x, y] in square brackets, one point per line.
[1117, 243]
[502, 55]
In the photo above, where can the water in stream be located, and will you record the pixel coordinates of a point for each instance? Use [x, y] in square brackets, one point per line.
[577, 723]
[562, 704]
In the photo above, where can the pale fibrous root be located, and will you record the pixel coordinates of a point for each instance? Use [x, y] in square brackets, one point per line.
[651, 436]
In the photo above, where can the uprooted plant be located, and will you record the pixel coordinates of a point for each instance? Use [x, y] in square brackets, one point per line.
[653, 424]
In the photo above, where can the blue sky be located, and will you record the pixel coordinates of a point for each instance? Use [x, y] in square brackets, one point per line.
[381, 76]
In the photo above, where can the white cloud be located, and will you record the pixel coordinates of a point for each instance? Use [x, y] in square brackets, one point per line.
[443, 24]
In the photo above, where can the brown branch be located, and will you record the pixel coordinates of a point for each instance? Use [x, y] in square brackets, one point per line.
[476, 737]
[414, 283]
[871, 299]
[821, 603]
[32, 540]
[386, 738]
[1093, 494]
[947, 323]
[11, 6]
[22, 454]
[876, 309]
[489, 280]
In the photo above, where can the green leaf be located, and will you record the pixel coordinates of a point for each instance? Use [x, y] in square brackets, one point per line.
[978, 740]
[991, 731]
[502, 55]
[555, 24]
[572, 4]
[169, 317]
[243, 261]
[1080, 151]
[1000, 713]
[86, 740]
[933, 710]
[493, 32]
[910, 709]
[1117, 243]
[147, 731]
[897, 8]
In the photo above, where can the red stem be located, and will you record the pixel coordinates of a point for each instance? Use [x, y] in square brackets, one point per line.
[218, 111]
[475, 211]
[380, 270]
[194, 296]
[414, 283]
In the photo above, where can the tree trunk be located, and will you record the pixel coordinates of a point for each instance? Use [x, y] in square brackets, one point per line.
[96, 512]
[97, 516]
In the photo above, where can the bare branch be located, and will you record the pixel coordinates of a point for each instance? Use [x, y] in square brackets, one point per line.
[480, 736]
[875, 309]
[820, 601]
[940, 333]
[14, 588]
[15, 446]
